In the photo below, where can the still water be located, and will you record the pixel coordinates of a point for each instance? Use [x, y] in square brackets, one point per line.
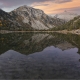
[39, 56]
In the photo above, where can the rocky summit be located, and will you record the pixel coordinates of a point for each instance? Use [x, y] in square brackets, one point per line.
[31, 18]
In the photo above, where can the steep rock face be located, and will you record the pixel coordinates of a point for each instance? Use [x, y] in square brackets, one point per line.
[34, 18]
[7, 21]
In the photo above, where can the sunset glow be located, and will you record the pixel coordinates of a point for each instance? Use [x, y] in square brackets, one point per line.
[53, 8]
[48, 6]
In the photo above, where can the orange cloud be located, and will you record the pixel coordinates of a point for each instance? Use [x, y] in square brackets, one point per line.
[50, 7]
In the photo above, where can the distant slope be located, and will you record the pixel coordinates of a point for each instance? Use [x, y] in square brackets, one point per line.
[74, 24]
[7, 21]
[70, 25]
[67, 16]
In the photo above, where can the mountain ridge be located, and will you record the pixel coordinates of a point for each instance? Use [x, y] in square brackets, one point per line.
[28, 18]
[66, 15]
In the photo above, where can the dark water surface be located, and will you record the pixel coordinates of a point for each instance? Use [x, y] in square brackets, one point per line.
[39, 56]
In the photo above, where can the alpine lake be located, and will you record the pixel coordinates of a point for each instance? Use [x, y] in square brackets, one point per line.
[39, 56]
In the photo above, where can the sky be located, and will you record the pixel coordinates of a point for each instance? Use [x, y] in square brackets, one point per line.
[48, 6]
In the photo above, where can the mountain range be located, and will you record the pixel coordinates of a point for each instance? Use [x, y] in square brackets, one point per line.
[66, 15]
[27, 18]
[73, 24]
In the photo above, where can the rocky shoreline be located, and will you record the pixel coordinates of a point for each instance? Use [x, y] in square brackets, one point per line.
[5, 31]
[72, 31]
[62, 31]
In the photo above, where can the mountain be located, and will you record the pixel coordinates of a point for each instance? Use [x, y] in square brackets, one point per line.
[27, 18]
[35, 19]
[7, 21]
[74, 23]
[67, 16]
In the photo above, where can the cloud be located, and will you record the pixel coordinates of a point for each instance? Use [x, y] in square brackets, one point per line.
[75, 10]
[72, 9]
[12, 3]
[33, 5]
[61, 1]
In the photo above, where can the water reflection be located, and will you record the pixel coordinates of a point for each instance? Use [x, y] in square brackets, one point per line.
[28, 43]
[39, 56]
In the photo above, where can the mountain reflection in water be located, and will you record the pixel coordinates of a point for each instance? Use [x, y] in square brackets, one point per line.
[39, 56]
